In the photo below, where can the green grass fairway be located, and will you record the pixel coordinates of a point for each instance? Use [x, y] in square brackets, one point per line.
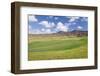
[62, 47]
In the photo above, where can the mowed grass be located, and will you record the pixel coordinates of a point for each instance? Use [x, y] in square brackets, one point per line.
[63, 47]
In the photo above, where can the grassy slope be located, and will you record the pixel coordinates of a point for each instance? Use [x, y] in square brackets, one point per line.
[57, 48]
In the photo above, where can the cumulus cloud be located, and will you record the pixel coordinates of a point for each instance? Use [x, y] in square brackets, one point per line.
[40, 31]
[35, 31]
[52, 24]
[79, 27]
[33, 18]
[61, 27]
[48, 31]
[47, 24]
[72, 19]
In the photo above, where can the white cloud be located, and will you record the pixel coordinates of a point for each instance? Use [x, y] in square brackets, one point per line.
[48, 31]
[61, 27]
[72, 19]
[35, 31]
[42, 29]
[38, 32]
[47, 24]
[79, 27]
[33, 18]
[52, 24]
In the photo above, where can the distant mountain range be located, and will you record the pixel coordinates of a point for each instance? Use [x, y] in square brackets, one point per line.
[62, 33]
[74, 33]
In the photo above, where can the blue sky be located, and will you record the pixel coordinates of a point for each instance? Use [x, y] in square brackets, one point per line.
[46, 24]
